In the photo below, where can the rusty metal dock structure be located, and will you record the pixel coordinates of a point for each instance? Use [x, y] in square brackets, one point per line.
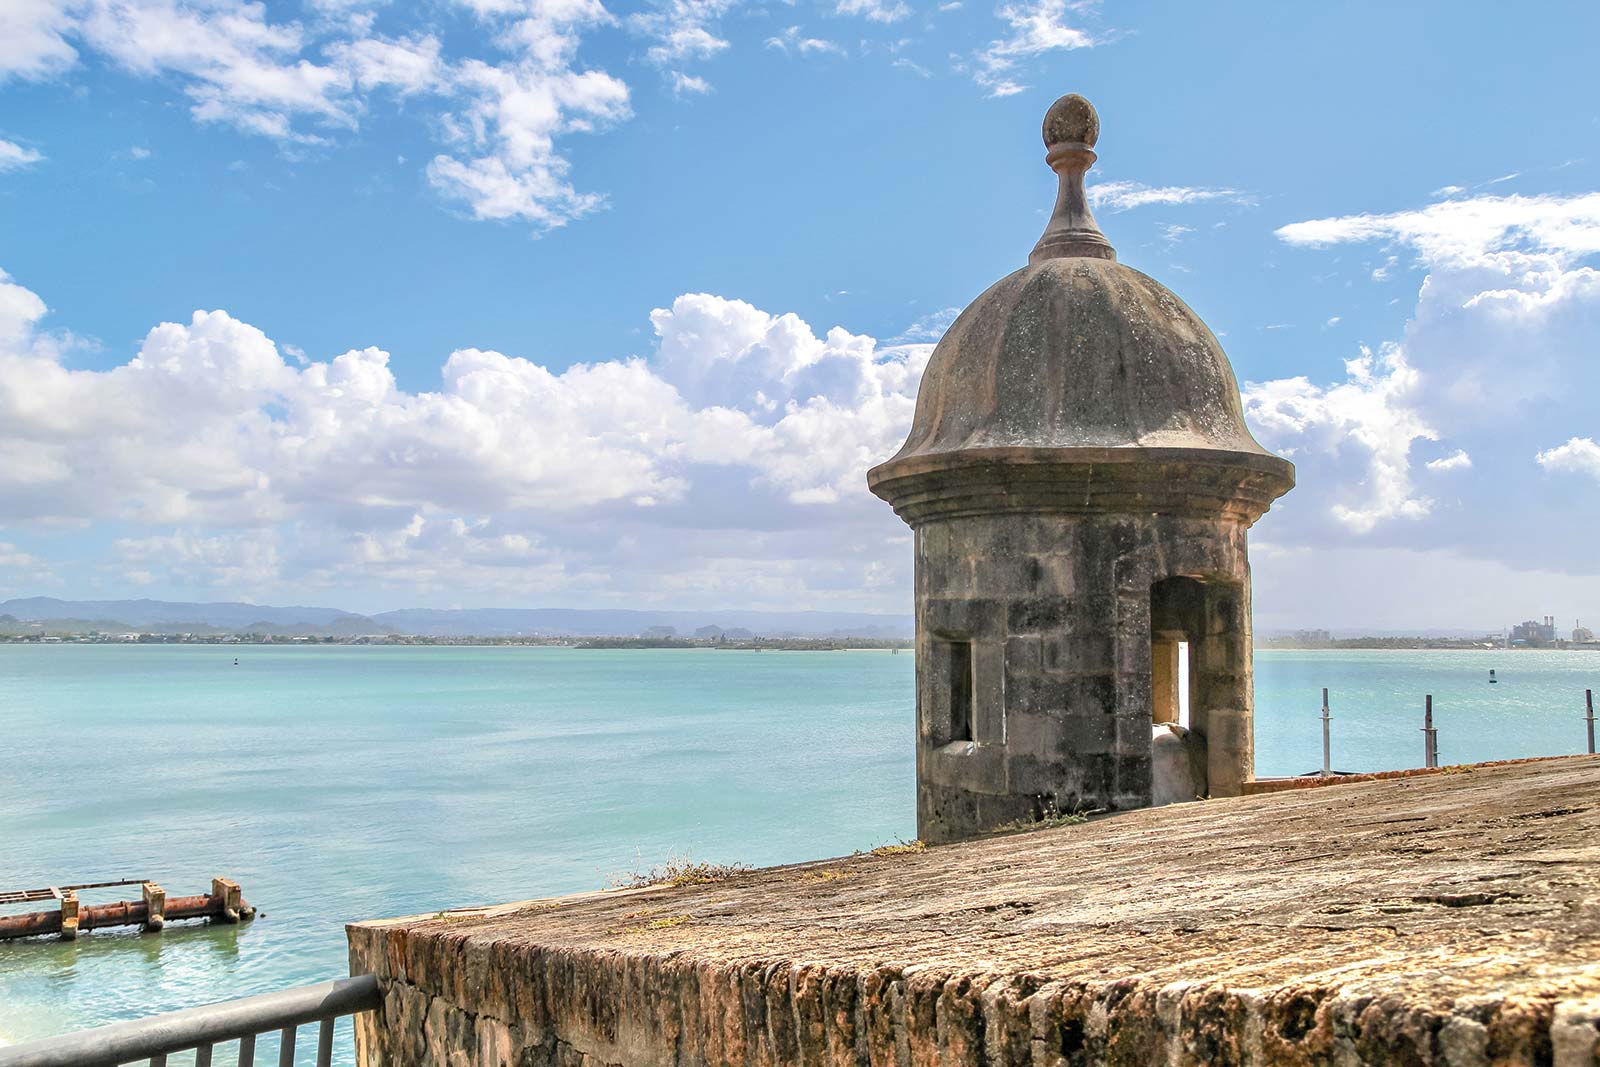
[224, 904]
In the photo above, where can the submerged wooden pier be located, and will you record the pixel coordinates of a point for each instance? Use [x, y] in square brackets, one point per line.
[224, 904]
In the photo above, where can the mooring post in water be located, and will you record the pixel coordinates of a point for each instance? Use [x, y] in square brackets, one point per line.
[1327, 762]
[1430, 736]
[69, 916]
[1588, 701]
[155, 907]
[227, 891]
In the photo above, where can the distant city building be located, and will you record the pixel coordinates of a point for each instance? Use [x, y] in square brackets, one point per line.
[1581, 634]
[1535, 633]
[1312, 638]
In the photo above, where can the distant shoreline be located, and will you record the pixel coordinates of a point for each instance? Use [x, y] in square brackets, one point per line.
[1400, 644]
[760, 644]
[754, 644]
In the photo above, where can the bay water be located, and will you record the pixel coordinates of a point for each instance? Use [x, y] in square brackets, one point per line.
[344, 783]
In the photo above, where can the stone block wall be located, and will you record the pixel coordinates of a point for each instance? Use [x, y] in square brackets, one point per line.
[507, 1006]
[1057, 611]
[1435, 920]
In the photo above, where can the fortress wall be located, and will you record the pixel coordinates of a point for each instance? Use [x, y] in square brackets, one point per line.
[1443, 921]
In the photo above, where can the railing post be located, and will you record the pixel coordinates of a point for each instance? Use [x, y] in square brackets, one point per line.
[1430, 736]
[1588, 701]
[1327, 761]
[1433, 741]
[325, 1044]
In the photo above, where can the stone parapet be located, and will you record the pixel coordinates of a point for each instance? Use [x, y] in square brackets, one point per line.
[1439, 921]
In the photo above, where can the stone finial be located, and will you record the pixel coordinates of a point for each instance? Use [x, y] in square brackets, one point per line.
[1071, 128]
[1071, 119]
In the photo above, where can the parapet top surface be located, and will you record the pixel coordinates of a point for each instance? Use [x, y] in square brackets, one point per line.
[1484, 883]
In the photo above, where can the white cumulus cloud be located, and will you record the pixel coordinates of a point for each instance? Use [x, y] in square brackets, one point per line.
[1580, 455]
[505, 164]
[1370, 413]
[1497, 358]
[1456, 461]
[239, 467]
[33, 40]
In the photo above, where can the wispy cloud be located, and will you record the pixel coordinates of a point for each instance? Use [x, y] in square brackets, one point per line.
[14, 156]
[683, 32]
[792, 40]
[930, 327]
[1125, 195]
[1036, 27]
[1457, 461]
[688, 83]
[500, 106]
[236, 64]
[1460, 231]
[874, 10]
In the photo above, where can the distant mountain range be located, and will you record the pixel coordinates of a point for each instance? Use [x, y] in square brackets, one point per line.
[163, 616]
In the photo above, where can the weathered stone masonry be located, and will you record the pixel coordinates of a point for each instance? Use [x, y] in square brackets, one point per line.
[1442, 921]
[1058, 615]
[1080, 480]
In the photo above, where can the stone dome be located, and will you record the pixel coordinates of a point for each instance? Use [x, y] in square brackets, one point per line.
[1077, 360]
[1078, 352]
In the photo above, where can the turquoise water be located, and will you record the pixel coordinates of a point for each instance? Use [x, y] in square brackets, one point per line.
[345, 783]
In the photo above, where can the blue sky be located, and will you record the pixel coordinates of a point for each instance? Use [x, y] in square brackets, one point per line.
[550, 302]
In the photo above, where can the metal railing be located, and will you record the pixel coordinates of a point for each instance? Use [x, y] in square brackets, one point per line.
[201, 1029]
[1430, 734]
